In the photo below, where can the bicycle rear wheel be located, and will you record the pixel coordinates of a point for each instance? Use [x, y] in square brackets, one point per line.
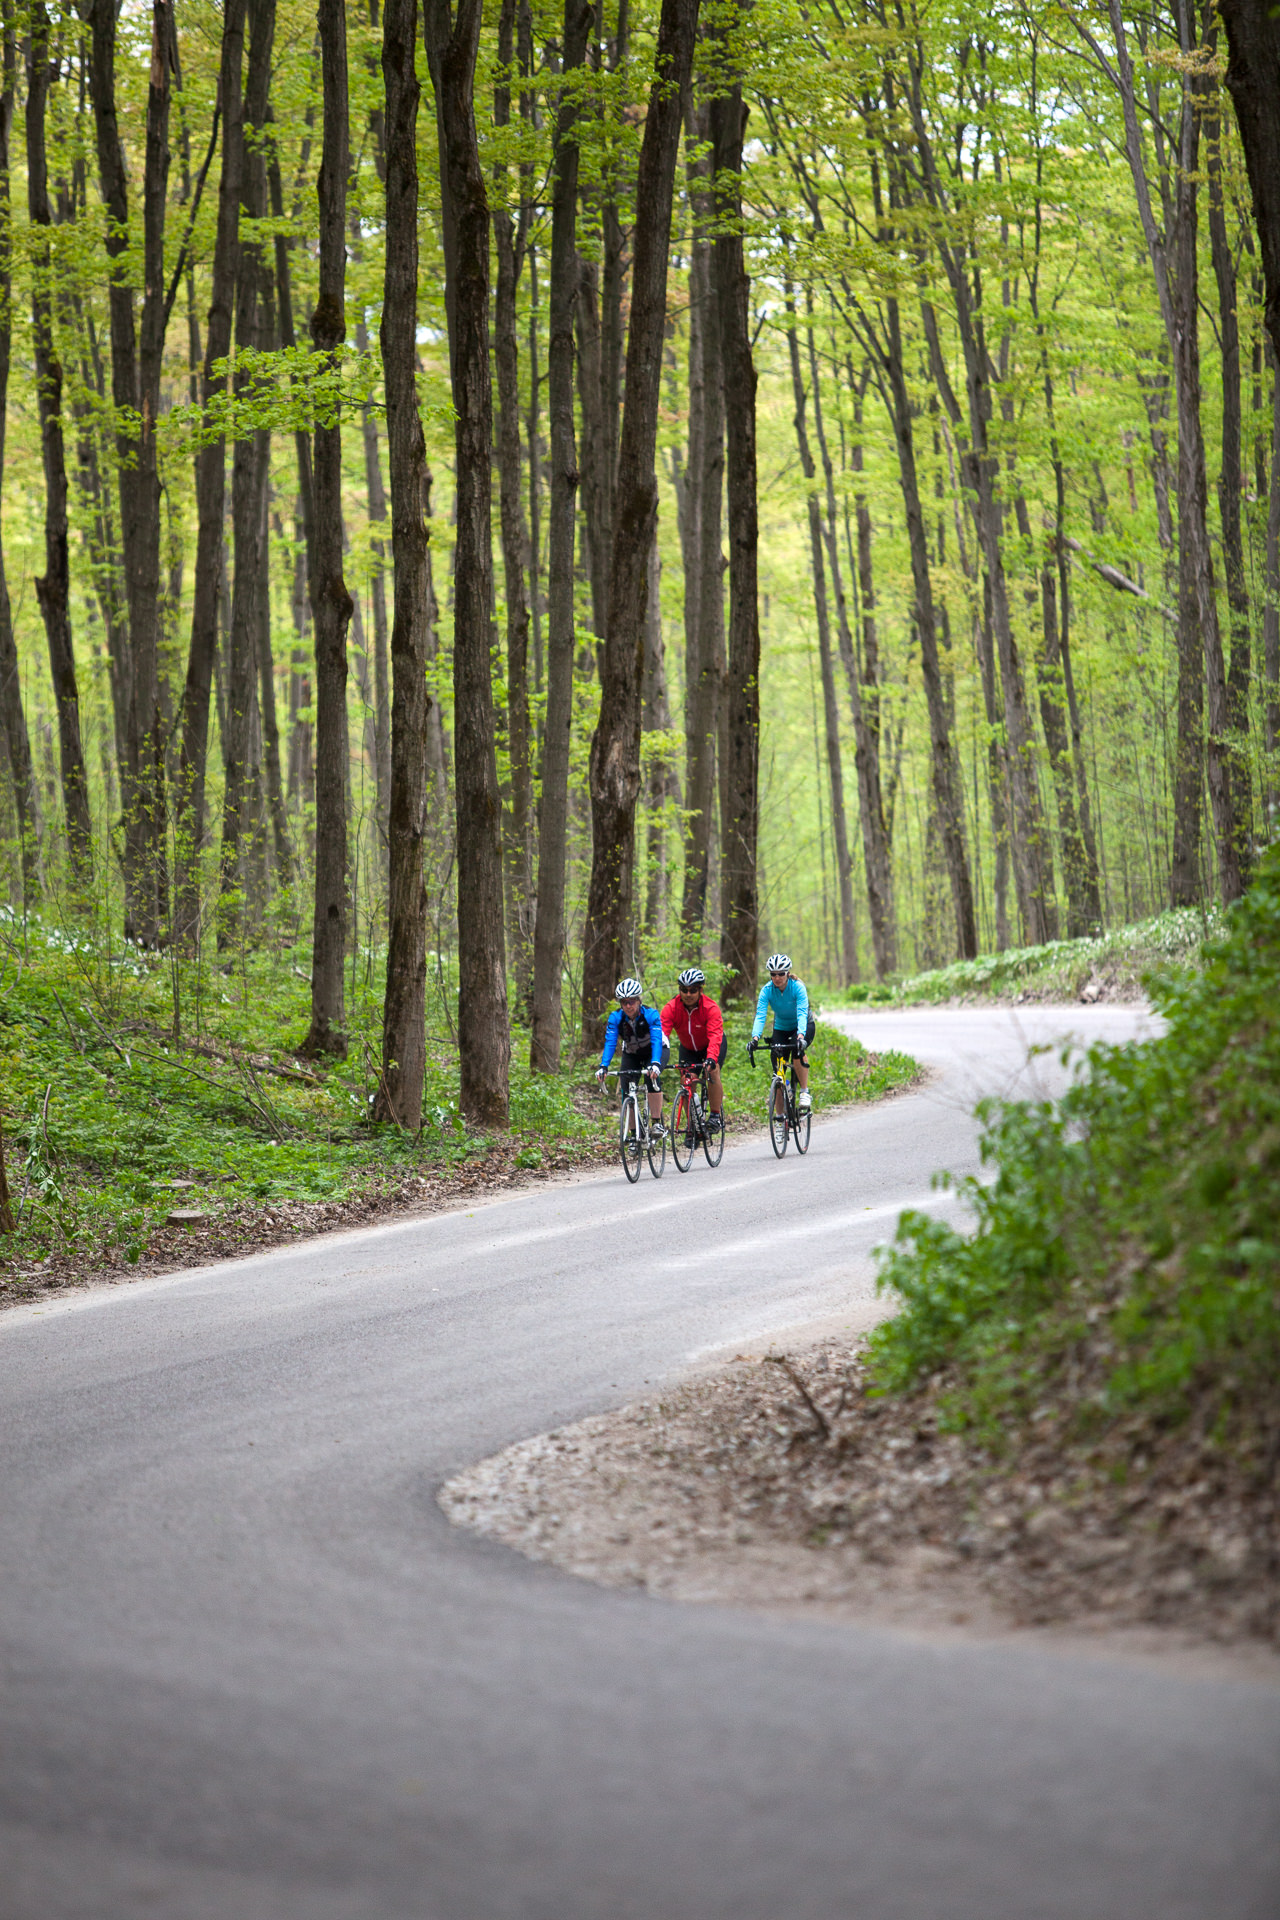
[777, 1120]
[800, 1126]
[712, 1137]
[683, 1133]
[655, 1146]
[630, 1145]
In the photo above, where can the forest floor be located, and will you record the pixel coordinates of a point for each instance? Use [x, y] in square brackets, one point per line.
[776, 1482]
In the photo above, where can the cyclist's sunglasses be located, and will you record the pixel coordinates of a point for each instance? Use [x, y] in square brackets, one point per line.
[691, 993]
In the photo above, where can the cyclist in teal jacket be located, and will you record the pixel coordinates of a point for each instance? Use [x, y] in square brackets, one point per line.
[785, 996]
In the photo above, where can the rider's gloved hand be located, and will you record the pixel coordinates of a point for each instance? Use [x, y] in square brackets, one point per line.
[655, 1074]
[751, 1050]
[600, 1076]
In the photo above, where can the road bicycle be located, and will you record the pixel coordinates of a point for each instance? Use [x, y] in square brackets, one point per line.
[640, 1136]
[784, 1114]
[692, 1120]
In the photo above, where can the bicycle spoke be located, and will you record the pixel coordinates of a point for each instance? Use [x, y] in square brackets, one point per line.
[629, 1142]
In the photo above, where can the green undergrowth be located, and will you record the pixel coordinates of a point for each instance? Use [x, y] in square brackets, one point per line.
[101, 1107]
[1059, 970]
[122, 1073]
[1126, 1254]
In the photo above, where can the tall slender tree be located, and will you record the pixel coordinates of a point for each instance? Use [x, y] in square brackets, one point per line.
[452, 45]
[553, 816]
[12, 712]
[53, 588]
[615, 745]
[137, 354]
[255, 328]
[210, 489]
[399, 1096]
[330, 600]
[740, 779]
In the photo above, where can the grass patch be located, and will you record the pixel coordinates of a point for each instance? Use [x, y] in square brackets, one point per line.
[1113, 963]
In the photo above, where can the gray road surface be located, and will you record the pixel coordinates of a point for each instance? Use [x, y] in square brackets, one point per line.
[250, 1672]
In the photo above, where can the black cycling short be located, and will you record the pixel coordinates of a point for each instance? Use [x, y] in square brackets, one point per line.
[689, 1057]
[632, 1065]
[788, 1038]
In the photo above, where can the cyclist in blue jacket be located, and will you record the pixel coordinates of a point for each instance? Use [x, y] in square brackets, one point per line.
[637, 1031]
[792, 1020]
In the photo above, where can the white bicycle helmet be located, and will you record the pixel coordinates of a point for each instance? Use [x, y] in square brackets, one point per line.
[693, 977]
[628, 989]
[778, 963]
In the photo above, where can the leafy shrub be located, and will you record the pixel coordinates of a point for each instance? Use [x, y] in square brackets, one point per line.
[1132, 1230]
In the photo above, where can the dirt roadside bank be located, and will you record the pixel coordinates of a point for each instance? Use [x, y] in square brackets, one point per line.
[773, 1482]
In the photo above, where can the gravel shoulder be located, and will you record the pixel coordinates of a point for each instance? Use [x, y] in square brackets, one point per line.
[774, 1482]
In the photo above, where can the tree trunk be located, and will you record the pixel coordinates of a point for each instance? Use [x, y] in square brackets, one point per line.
[1197, 601]
[1230, 488]
[376, 495]
[863, 678]
[210, 467]
[54, 590]
[1271, 613]
[740, 778]
[301, 769]
[136, 362]
[663, 785]
[1200, 664]
[12, 715]
[515, 543]
[399, 1095]
[482, 984]
[689, 521]
[705, 692]
[875, 836]
[553, 817]
[270, 725]
[330, 600]
[1253, 78]
[249, 462]
[848, 948]
[590, 398]
[997, 769]
[615, 746]
[1029, 841]
[1082, 903]
[944, 768]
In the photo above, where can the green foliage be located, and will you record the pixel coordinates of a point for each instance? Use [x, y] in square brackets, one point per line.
[102, 1108]
[1130, 1239]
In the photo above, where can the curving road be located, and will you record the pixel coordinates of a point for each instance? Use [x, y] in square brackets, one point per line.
[250, 1673]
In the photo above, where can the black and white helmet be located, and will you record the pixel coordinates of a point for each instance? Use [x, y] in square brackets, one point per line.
[628, 989]
[693, 977]
[778, 963]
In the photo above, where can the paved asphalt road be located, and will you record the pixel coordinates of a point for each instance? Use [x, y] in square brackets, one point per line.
[250, 1672]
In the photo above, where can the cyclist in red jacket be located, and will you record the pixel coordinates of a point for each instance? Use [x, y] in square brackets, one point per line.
[698, 1024]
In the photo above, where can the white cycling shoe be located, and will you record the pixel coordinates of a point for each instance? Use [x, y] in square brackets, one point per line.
[804, 1100]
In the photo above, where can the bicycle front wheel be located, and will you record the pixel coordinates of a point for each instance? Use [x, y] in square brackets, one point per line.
[656, 1144]
[713, 1137]
[800, 1125]
[778, 1117]
[630, 1145]
[683, 1133]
